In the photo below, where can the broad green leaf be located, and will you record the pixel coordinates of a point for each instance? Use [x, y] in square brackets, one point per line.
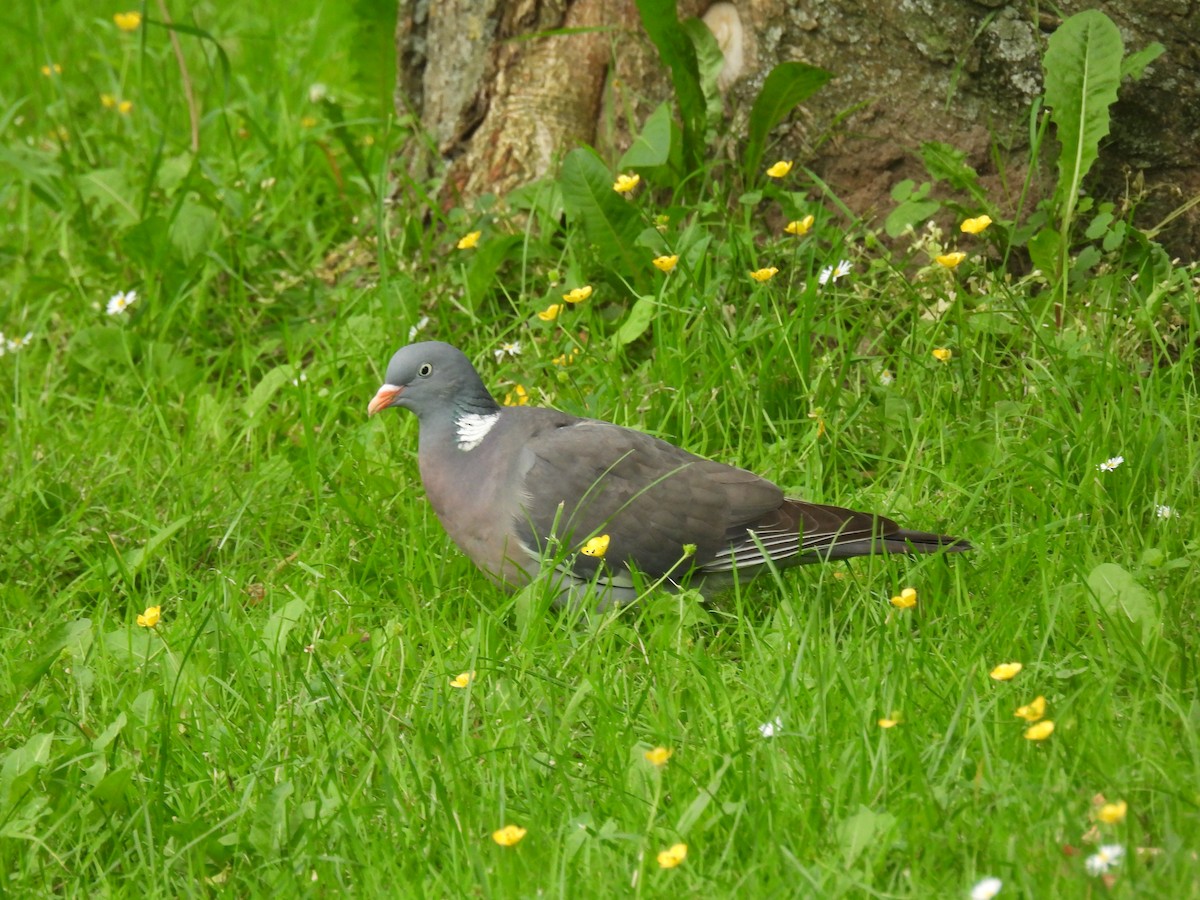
[1121, 597]
[281, 623]
[266, 388]
[696, 808]
[486, 261]
[661, 21]
[60, 637]
[1044, 250]
[136, 558]
[653, 146]
[1134, 65]
[861, 830]
[110, 190]
[948, 164]
[610, 222]
[638, 321]
[192, 229]
[910, 212]
[20, 767]
[787, 85]
[710, 60]
[1082, 71]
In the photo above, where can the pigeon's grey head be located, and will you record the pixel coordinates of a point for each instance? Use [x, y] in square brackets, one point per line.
[431, 378]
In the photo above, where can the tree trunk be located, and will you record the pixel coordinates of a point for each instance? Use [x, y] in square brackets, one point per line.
[506, 88]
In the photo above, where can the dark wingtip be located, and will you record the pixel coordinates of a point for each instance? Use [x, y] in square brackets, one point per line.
[924, 542]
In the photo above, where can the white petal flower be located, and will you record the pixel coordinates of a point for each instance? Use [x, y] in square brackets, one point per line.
[418, 328]
[120, 301]
[1109, 464]
[317, 92]
[986, 889]
[1108, 856]
[833, 273]
[1164, 512]
[512, 348]
[772, 728]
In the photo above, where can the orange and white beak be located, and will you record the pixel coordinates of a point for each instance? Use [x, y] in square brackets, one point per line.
[383, 398]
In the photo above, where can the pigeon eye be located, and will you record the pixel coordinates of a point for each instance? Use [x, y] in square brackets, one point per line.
[425, 371]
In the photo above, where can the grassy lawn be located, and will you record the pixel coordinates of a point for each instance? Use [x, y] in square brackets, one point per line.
[302, 719]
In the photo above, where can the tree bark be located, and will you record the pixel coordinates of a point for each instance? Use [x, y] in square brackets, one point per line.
[506, 88]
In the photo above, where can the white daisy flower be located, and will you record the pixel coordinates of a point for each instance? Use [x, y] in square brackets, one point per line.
[418, 328]
[986, 889]
[886, 378]
[1109, 464]
[120, 301]
[509, 348]
[1109, 856]
[772, 728]
[833, 273]
[1164, 512]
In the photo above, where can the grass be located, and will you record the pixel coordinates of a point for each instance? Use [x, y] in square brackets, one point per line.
[290, 726]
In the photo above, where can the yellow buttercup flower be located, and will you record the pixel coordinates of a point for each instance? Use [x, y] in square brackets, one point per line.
[761, 275]
[550, 313]
[950, 260]
[780, 168]
[579, 294]
[976, 225]
[665, 263]
[469, 240]
[128, 21]
[1040, 731]
[672, 856]
[125, 107]
[567, 358]
[150, 617]
[108, 101]
[52, 69]
[888, 723]
[461, 681]
[509, 835]
[1032, 711]
[518, 396]
[659, 756]
[596, 547]
[1005, 671]
[941, 354]
[1112, 813]
[906, 600]
[626, 183]
[800, 226]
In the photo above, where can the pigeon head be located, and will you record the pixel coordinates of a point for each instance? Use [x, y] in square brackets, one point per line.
[432, 378]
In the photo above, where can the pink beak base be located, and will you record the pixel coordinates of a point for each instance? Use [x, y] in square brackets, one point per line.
[383, 398]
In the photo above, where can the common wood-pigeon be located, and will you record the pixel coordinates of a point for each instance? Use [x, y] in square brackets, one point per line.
[515, 486]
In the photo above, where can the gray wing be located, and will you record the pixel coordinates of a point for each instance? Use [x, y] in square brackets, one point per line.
[650, 497]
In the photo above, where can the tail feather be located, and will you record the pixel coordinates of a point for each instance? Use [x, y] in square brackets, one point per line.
[799, 532]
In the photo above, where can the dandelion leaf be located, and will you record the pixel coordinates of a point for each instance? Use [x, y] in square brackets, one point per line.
[1082, 71]
[1121, 597]
[787, 85]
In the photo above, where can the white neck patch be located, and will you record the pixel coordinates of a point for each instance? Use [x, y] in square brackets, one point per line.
[472, 428]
